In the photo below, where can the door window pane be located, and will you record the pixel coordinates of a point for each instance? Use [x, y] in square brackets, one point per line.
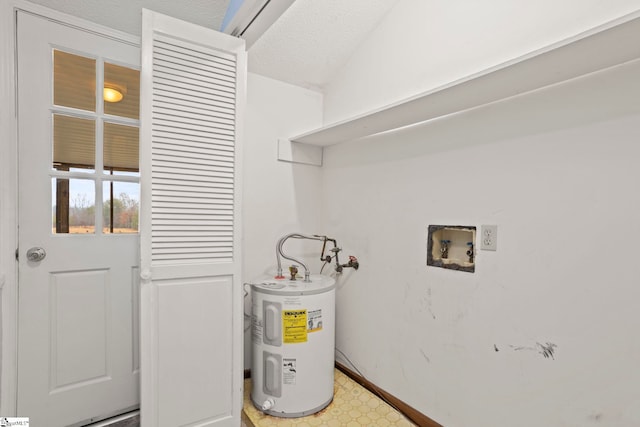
[121, 91]
[73, 206]
[73, 143]
[121, 149]
[74, 81]
[121, 204]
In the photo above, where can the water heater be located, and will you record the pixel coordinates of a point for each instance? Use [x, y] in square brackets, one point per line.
[293, 341]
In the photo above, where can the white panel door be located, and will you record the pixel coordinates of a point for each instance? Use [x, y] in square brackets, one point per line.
[193, 89]
[77, 331]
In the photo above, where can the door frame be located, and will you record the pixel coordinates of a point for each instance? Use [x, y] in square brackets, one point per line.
[9, 182]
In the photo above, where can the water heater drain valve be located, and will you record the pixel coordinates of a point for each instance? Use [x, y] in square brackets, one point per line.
[267, 404]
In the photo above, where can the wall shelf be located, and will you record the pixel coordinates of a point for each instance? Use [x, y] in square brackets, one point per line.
[602, 47]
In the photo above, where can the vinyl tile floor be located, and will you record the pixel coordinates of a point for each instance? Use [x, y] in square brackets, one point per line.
[352, 406]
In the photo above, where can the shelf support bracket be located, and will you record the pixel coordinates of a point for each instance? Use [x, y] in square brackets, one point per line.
[299, 153]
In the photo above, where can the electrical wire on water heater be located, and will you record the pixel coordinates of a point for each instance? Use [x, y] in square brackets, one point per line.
[378, 390]
[324, 264]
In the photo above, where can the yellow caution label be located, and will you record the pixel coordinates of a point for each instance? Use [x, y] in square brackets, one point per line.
[294, 326]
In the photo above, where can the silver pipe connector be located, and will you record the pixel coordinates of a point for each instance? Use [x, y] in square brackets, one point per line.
[280, 253]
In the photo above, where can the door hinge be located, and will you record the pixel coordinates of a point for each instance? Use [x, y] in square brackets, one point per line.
[18, 254]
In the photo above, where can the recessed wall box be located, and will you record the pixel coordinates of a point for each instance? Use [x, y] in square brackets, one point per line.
[452, 247]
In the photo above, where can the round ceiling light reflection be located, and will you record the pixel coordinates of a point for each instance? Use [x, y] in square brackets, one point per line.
[111, 94]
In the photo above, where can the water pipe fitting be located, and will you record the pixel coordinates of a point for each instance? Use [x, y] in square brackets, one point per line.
[353, 261]
[293, 270]
[444, 249]
[470, 252]
[280, 254]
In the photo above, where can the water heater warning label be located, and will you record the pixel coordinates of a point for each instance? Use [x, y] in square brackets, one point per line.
[294, 326]
[289, 371]
[315, 321]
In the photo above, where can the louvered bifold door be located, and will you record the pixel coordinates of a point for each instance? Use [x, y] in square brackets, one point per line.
[193, 89]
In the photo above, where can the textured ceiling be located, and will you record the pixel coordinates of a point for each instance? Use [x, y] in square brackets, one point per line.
[313, 39]
[126, 15]
[310, 42]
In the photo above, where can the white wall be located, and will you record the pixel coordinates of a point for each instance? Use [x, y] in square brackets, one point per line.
[278, 197]
[558, 172]
[421, 45]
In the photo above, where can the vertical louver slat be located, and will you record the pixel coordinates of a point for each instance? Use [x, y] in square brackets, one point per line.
[193, 133]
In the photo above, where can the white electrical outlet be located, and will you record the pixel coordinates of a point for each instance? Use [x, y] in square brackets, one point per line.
[489, 237]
